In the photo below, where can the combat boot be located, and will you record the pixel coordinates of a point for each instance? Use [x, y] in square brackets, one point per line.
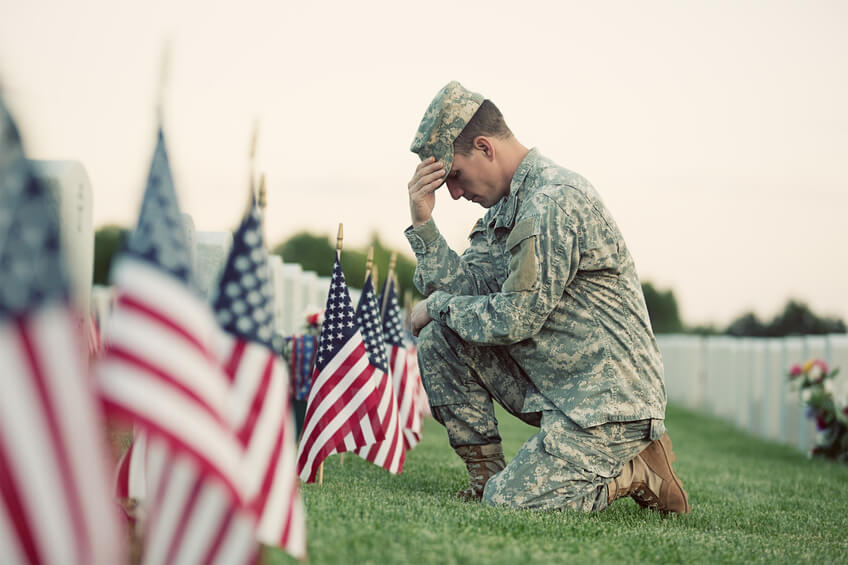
[482, 462]
[649, 480]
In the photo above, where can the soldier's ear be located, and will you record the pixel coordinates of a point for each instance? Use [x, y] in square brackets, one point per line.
[484, 144]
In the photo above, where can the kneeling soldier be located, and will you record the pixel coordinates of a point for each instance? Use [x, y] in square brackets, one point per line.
[543, 313]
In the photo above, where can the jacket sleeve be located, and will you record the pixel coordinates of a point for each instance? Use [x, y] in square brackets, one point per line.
[441, 268]
[544, 258]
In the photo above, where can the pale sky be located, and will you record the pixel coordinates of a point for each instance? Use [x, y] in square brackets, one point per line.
[715, 131]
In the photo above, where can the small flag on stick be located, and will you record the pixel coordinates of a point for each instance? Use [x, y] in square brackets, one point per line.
[406, 382]
[341, 412]
[160, 371]
[388, 453]
[263, 418]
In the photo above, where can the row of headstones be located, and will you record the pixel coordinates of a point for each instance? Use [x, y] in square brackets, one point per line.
[745, 380]
[296, 292]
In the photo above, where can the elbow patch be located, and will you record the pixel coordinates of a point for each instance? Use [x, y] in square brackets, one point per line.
[524, 260]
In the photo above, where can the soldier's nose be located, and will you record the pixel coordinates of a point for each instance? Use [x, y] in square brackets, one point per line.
[455, 191]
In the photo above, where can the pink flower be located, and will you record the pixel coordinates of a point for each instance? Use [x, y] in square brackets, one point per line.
[795, 371]
[315, 318]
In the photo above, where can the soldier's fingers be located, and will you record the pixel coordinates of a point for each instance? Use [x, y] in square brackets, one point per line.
[418, 183]
[429, 187]
[423, 169]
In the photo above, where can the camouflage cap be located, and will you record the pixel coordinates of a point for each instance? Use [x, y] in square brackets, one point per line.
[443, 121]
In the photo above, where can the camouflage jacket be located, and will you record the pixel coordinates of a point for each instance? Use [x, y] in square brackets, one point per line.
[547, 274]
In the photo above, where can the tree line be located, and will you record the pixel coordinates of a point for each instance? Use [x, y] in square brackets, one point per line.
[316, 253]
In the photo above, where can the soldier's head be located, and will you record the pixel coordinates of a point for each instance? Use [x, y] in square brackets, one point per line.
[469, 135]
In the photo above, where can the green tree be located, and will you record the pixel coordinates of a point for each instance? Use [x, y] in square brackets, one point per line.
[796, 319]
[108, 240]
[748, 325]
[316, 253]
[662, 309]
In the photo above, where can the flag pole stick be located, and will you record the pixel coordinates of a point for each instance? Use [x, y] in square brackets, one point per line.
[369, 261]
[339, 239]
[389, 278]
[164, 75]
[263, 199]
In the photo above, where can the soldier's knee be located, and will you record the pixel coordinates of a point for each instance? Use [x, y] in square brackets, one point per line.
[495, 493]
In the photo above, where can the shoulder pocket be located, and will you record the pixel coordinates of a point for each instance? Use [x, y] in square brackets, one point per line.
[522, 243]
[479, 227]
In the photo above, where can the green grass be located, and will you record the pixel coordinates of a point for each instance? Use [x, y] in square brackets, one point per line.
[752, 501]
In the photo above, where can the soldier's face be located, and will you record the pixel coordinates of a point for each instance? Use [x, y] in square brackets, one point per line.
[474, 178]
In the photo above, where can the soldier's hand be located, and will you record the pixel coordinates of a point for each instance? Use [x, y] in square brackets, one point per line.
[429, 175]
[419, 317]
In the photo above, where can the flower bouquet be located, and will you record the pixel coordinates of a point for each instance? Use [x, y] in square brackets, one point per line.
[826, 399]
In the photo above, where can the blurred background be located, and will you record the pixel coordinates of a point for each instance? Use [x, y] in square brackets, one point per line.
[716, 131]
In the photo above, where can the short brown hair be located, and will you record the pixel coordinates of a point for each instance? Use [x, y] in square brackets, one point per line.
[487, 120]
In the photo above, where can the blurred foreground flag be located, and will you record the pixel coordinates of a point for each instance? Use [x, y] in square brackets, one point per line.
[389, 453]
[55, 503]
[159, 370]
[263, 418]
[341, 413]
[405, 381]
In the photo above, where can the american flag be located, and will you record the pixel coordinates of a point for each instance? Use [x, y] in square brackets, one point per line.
[159, 370]
[406, 382]
[54, 507]
[389, 453]
[263, 418]
[302, 362]
[341, 412]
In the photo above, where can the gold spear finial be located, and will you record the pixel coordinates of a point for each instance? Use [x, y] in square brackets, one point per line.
[339, 239]
[369, 261]
[390, 278]
[263, 199]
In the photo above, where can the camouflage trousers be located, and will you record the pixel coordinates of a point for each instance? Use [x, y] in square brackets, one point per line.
[562, 466]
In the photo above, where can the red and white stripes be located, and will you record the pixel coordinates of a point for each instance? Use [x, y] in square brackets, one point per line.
[159, 370]
[406, 390]
[264, 424]
[341, 411]
[389, 453]
[53, 504]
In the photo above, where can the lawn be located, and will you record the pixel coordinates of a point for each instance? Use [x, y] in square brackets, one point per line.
[752, 501]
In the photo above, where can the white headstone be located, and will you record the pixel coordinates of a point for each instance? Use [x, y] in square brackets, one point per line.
[322, 290]
[292, 298]
[188, 227]
[211, 251]
[70, 188]
[102, 302]
[309, 288]
[275, 271]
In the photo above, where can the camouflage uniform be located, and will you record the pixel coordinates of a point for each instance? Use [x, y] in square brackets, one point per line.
[544, 313]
